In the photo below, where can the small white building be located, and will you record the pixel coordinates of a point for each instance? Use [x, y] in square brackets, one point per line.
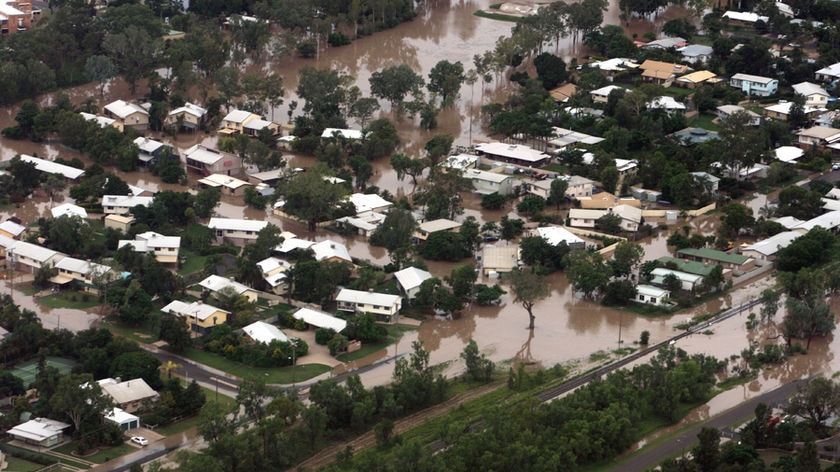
[215, 283]
[578, 186]
[122, 204]
[461, 162]
[384, 306]
[164, 248]
[200, 317]
[486, 183]
[788, 154]
[68, 209]
[130, 114]
[350, 134]
[90, 275]
[602, 94]
[364, 202]
[651, 295]
[410, 279]
[236, 229]
[688, 281]
[122, 418]
[666, 103]
[266, 333]
[555, 235]
[815, 95]
[226, 184]
[273, 271]
[499, 259]
[11, 229]
[50, 167]
[42, 432]
[427, 228]
[829, 73]
[319, 319]
[33, 255]
[190, 116]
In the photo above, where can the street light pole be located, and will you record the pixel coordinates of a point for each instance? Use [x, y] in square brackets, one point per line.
[294, 353]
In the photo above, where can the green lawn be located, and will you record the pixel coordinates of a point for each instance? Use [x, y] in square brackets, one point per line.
[20, 465]
[394, 333]
[194, 263]
[103, 455]
[704, 120]
[140, 334]
[276, 375]
[69, 299]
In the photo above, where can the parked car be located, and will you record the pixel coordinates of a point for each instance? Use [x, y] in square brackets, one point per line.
[835, 166]
[140, 440]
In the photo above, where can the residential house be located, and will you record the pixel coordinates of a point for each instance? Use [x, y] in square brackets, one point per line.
[788, 222]
[696, 79]
[664, 43]
[513, 153]
[273, 271]
[410, 279]
[326, 250]
[662, 73]
[756, 171]
[10, 229]
[131, 396]
[828, 118]
[68, 209]
[631, 217]
[253, 128]
[692, 267]
[626, 166]
[667, 104]
[427, 228]
[781, 111]
[743, 18]
[562, 138]
[70, 173]
[650, 295]
[234, 122]
[189, 117]
[606, 200]
[208, 161]
[384, 306]
[200, 317]
[131, 115]
[122, 418]
[122, 204]
[556, 235]
[736, 262]
[755, 85]
[90, 275]
[460, 162]
[829, 221]
[262, 332]
[236, 229]
[540, 188]
[215, 283]
[499, 259]
[17, 16]
[581, 218]
[788, 154]
[366, 202]
[766, 249]
[694, 136]
[563, 93]
[348, 134]
[164, 248]
[612, 67]
[828, 74]
[364, 224]
[119, 222]
[602, 94]
[319, 319]
[41, 432]
[696, 53]
[226, 184]
[578, 186]
[815, 95]
[485, 183]
[151, 150]
[268, 177]
[818, 136]
[32, 256]
[102, 121]
[725, 111]
[688, 282]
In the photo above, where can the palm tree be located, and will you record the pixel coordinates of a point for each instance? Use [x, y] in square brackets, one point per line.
[168, 366]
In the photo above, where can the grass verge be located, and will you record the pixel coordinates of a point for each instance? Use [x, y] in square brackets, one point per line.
[69, 299]
[274, 375]
[395, 332]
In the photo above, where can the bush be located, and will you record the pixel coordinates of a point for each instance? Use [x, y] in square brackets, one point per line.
[306, 49]
[337, 344]
[324, 335]
[338, 39]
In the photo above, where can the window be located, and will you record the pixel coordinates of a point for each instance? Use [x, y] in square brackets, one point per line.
[641, 298]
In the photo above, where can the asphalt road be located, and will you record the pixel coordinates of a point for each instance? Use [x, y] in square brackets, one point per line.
[681, 442]
[207, 377]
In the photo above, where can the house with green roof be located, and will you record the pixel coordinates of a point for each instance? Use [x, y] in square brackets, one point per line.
[691, 267]
[736, 262]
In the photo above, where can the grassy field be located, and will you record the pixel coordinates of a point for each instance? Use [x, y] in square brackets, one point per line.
[194, 263]
[20, 465]
[69, 299]
[140, 334]
[103, 455]
[704, 120]
[394, 332]
[276, 375]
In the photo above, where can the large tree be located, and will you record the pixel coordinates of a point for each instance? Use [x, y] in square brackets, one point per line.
[587, 272]
[309, 197]
[445, 80]
[394, 83]
[816, 401]
[529, 287]
[79, 398]
[394, 234]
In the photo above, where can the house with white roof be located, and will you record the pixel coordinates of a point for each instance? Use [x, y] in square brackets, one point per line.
[122, 418]
[32, 255]
[319, 319]
[215, 283]
[766, 249]
[696, 53]
[90, 275]
[122, 204]
[102, 121]
[427, 228]
[273, 271]
[555, 235]
[788, 154]
[788, 222]
[563, 138]
[818, 136]
[331, 251]
[236, 229]
[410, 279]
[578, 186]
[461, 162]
[18, 16]
[10, 229]
[151, 150]
[631, 217]
[364, 202]
[602, 94]
[754, 85]
[200, 317]
[513, 153]
[486, 183]
[41, 432]
[50, 167]
[262, 332]
[235, 121]
[132, 395]
[815, 95]
[164, 248]
[131, 115]
[744, 17]
[540, 188]
[350, 134]
[254, 127]
[384, 306]
[499, 259]
[664, 43]
[650, 295]
[610, 67]
[725, 111]
[582, 218]
[688, 282]
[189, 117]
[666, 103]
[208, 161]
[828, 74]
[364, 224]
[226, 184]
[829, 221]
[68, 209]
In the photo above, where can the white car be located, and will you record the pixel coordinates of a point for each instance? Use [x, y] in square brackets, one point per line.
[140, 440]
[835, 166]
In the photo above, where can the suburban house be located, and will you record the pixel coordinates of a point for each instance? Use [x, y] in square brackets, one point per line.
[788, 154]
[68, 209]
[122, 204]
[319, 319]
[122, 418]
[200, 317]
[743, 18]
[766, 249]
[499, 259]
[384, 306]
[10, 229]
[513, 153]
[664, 43]
[189, 117]
[828, 74]
[234, 122]
[226, 184]
[667, 104]
[754, 85]
[540, 188]
[208, 161]
[556, 235]
[41, 432]
[214, 283]
[696, 53]
[151, 150]
[602, 94]
[631, 217]
[119, 222]
[651, 295]
[365, 202]
[725, 111]
[688, 282]
[611, 67]
[326, 250]
[348, 134]
[485, 183]
[581, 218]
[90, 275]
[781, 111]
[363, 224]
[818, 136]
[17, 16]
[578, 186]
[691, 267]
[50, 167]
[427, 228]
[102, 121]
[815, 95]
[736, 262]
[236, 229]
[131, 115]
[662, 73]
[266, 333]
[410, 279]
[132, 395]
[563, 93]
[563, 138]
[273, 271]
[460, 162]
[164, 248]
[829, 221]
[606, 200]
[695, 79]
[33, 255]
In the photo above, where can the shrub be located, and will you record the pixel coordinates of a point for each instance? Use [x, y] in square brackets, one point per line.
[324, 335]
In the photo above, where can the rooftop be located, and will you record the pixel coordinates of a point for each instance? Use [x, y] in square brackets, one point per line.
[214, 283]
[513, 151]
[196, 309]
[320, 319]
[263, 332]
[502, 258]
[714, 254]
[771, 245]
[51, 167]
[411, 277]
[236, 224]
[124, 109]
[555, 235]
[129, 391]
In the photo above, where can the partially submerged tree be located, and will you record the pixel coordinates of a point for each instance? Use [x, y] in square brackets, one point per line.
[529, 287]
